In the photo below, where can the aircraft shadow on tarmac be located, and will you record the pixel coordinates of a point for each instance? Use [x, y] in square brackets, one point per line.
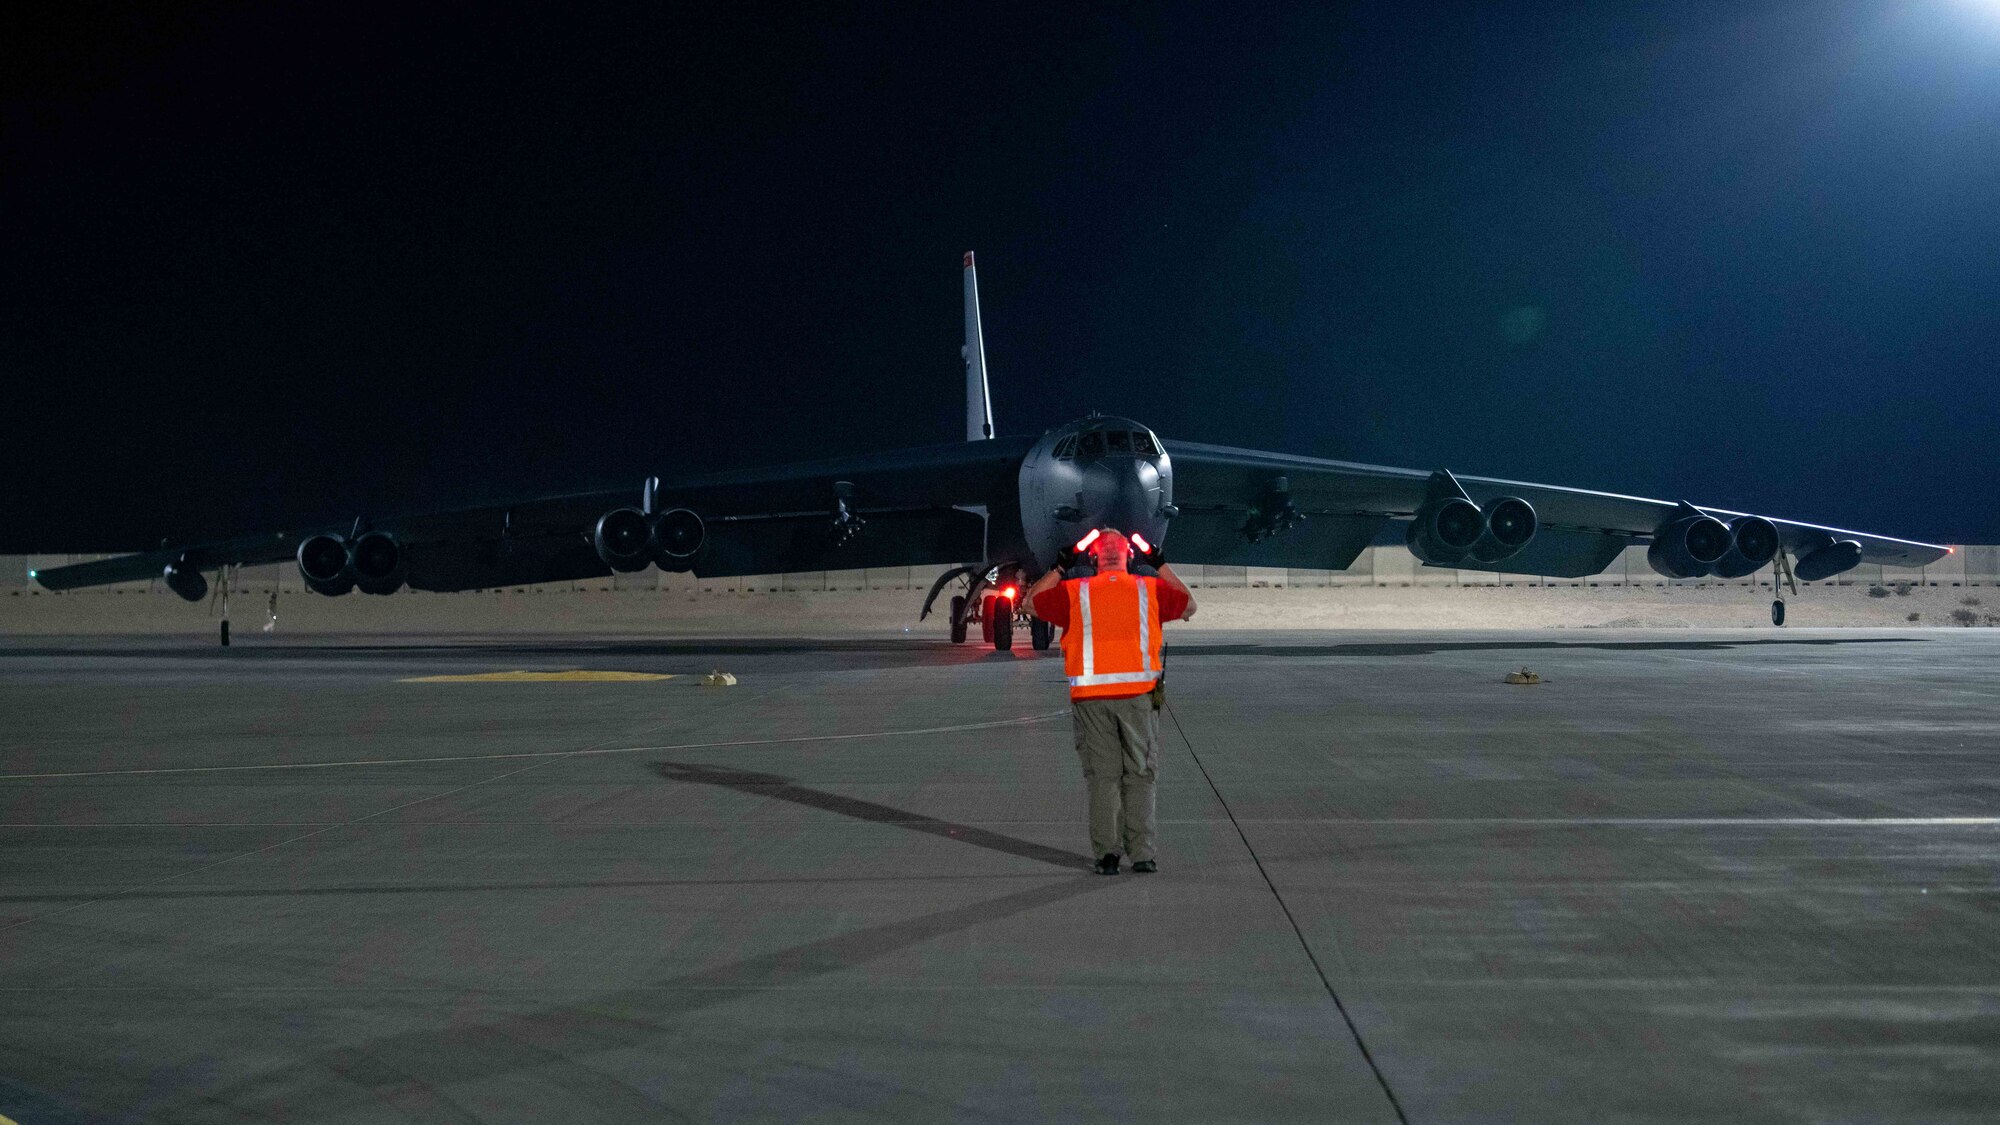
[562, 1039]
[555, 1038]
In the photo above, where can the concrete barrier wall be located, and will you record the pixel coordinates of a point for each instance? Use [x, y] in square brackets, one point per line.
[1975, 565]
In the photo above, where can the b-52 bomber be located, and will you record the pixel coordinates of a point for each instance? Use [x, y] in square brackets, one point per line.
[995, 510]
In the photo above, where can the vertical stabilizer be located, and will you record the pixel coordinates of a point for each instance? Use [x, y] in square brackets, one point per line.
[978, 400]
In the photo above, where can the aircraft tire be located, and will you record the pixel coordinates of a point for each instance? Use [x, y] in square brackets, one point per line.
[1003, 625]
[986, 620]
[958, 619]
[1040, 633]
[1778, 612]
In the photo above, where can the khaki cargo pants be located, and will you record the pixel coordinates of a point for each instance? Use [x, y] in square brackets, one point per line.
[1118, 742]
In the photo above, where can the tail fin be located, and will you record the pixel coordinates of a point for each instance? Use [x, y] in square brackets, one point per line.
[978, 400]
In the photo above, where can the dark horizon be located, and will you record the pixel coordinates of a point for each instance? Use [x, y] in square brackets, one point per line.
[275, 267]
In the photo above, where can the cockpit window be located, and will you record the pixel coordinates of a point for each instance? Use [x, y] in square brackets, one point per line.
[1066, 448]
[1091, 444]
[1143, 444]
[1119, 441]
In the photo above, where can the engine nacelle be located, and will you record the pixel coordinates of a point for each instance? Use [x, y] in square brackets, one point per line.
[378, 563]
[326, 565]
[623, 540]
[1689, 547]
[1753, 543]
[1827, 560]
[1506, 525]
[185, 580]
[1451, 529]
[677, 538]
[1445, 529]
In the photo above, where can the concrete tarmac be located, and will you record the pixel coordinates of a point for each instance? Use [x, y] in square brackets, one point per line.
[1743, 876]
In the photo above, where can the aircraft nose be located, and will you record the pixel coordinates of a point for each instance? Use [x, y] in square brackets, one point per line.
[1121, 494]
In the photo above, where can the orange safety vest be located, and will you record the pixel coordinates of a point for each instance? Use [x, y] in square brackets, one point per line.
[1112, 646]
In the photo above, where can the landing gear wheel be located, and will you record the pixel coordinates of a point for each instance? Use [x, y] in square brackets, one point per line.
[986, 619]
[958, 619]
[1003, 624]
[225, 634]
[1040, 633]
[1778, 612]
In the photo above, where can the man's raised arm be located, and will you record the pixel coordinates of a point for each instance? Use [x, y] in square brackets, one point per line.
[1173, 580]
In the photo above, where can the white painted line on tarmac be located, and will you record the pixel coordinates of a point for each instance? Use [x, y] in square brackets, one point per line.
[1023, 720]
[1654, 821]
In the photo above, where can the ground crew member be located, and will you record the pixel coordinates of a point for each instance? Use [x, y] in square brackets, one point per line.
[1111, 648]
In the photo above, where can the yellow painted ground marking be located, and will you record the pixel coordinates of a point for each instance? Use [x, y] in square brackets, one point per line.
[574, 676]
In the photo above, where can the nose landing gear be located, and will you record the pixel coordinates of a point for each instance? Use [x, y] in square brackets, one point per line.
[1040, 633]
[992, 600]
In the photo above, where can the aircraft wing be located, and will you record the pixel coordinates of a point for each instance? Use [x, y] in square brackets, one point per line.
[1222, 492]
[759, 521]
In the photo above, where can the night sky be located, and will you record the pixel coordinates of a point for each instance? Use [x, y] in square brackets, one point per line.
[277, 263]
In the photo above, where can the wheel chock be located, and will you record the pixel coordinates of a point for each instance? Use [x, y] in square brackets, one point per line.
[1524, 677]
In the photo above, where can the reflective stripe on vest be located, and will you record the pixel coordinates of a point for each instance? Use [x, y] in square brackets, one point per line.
[1089, 638]
[1145, 632]
[1114, 678]
[1095, 663]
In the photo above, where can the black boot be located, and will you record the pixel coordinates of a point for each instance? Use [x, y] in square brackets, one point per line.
[1109, 864]
[1144, 867]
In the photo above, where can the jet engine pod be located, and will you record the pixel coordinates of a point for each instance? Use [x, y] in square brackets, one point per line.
[1506, 525]
[1827, 560]
[185, 580]
[378, 563]
[326, 566]
[1753, 542]
[622, 539]
[1689, 547]
[1445, 529]
[677, 537]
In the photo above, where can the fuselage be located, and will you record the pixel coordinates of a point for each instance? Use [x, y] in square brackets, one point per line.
[1096, 472]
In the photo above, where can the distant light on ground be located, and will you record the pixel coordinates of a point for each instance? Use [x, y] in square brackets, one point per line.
[1523, 324]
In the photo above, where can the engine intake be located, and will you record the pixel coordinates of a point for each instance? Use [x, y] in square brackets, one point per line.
[623, 540]
[326, 565]
[1451, 529]
[677, 538]
[378, 563]
[1506, 526]
[1753, 543]
[1445, 530]
[1690, 546]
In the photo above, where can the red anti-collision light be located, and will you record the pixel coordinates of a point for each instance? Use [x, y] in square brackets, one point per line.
[1084, 543]
[1009, 593]
[1139, 541]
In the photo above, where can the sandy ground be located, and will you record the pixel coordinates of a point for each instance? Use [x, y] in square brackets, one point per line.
[895, 611]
